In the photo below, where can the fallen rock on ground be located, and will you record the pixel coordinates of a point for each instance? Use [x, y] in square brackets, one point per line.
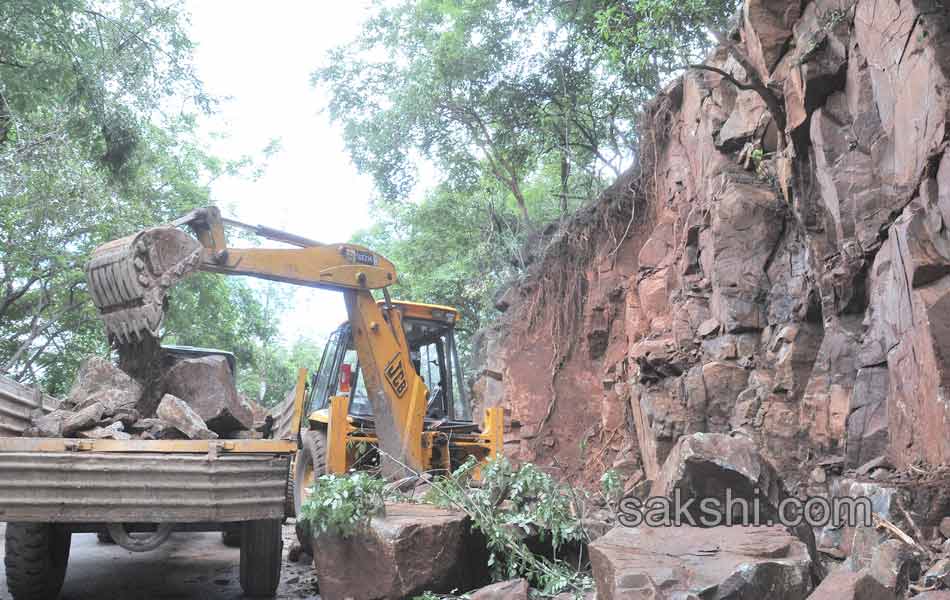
[720, 466]
[717, 562]
[514, 589]
[939, 574]
[849, 585]
[207, 385]
[412, 549]
[894, 565]
[177, 413]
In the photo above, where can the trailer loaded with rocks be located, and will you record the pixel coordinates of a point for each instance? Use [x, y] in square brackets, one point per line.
[175, 448]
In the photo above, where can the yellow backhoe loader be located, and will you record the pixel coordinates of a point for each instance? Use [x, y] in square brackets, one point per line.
[389, 377]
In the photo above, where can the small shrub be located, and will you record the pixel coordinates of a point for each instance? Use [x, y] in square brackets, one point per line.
[612, 488]
[510, 503]
[342, 504]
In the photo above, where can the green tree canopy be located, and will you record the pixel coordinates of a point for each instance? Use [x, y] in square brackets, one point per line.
[99, 108]
[480, 88]
[526, 109]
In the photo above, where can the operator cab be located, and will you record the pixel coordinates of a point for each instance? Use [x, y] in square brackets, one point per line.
[430, 332]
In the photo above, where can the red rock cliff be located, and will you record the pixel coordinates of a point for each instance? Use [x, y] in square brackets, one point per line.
[797, 291]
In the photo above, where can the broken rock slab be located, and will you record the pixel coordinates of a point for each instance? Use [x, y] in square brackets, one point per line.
[47, 426]
[895, 565]
[514, 589]
[87, 418]
[116, 431]
[939, 574]
[843, 584]
[180, 415]
[112, 401]
[412, 549]
[715, 563]
[99, 375]
[707, 465]
[207, 385]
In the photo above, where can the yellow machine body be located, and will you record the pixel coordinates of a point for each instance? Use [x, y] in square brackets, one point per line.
[128, 279]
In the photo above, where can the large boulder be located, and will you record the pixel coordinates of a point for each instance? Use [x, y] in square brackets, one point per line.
[97, 375]
[207, 385]
[175, 412]
[87, 418]
[731, 471]
[412, 549]
[708, 465]
[714, 563]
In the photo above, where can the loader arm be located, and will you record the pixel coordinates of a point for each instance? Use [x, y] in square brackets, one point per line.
[128, 279]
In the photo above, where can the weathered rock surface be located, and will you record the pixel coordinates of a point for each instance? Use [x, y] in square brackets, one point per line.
[207, 385]
[715, 563]
[707, 465]
[800, 298]
[514, 589]
[180, 415]
[849, 585]
[86, 418]
[99, 376]
[116, 431]
[894, 565]
[413, 548]
[938, 575]
[48, 425]
[731, 471]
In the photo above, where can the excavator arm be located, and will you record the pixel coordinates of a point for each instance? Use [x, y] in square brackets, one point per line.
[129, 278]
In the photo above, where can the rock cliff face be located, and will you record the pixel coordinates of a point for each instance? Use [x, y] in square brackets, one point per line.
[791, 282]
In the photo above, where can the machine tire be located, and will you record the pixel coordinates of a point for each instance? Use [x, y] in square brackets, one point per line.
[36, 559]
[312, 458]
[262, 548]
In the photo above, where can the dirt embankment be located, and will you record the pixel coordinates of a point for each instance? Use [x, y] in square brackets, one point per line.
[796, 291]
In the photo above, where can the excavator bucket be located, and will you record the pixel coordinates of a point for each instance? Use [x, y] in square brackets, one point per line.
[129, 277]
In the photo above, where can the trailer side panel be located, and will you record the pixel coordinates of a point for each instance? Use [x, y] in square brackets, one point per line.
[73, 487]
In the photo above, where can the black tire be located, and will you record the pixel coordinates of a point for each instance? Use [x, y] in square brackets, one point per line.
[290, 494]
[262, 547]
[310, 464]
[36, 559]
[231, 536]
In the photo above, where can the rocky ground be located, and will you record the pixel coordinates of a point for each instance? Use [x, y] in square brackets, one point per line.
[190, 566]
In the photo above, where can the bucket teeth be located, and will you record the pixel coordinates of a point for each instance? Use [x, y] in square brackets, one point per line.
[129, 277]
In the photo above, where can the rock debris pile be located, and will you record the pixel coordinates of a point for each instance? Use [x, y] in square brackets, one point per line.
[197, 400]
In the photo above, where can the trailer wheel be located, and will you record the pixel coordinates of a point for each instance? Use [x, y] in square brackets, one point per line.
[309, 465]
[36, 559]
[262, 548]
[104, 538]
[231, 535]
[290, 493]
